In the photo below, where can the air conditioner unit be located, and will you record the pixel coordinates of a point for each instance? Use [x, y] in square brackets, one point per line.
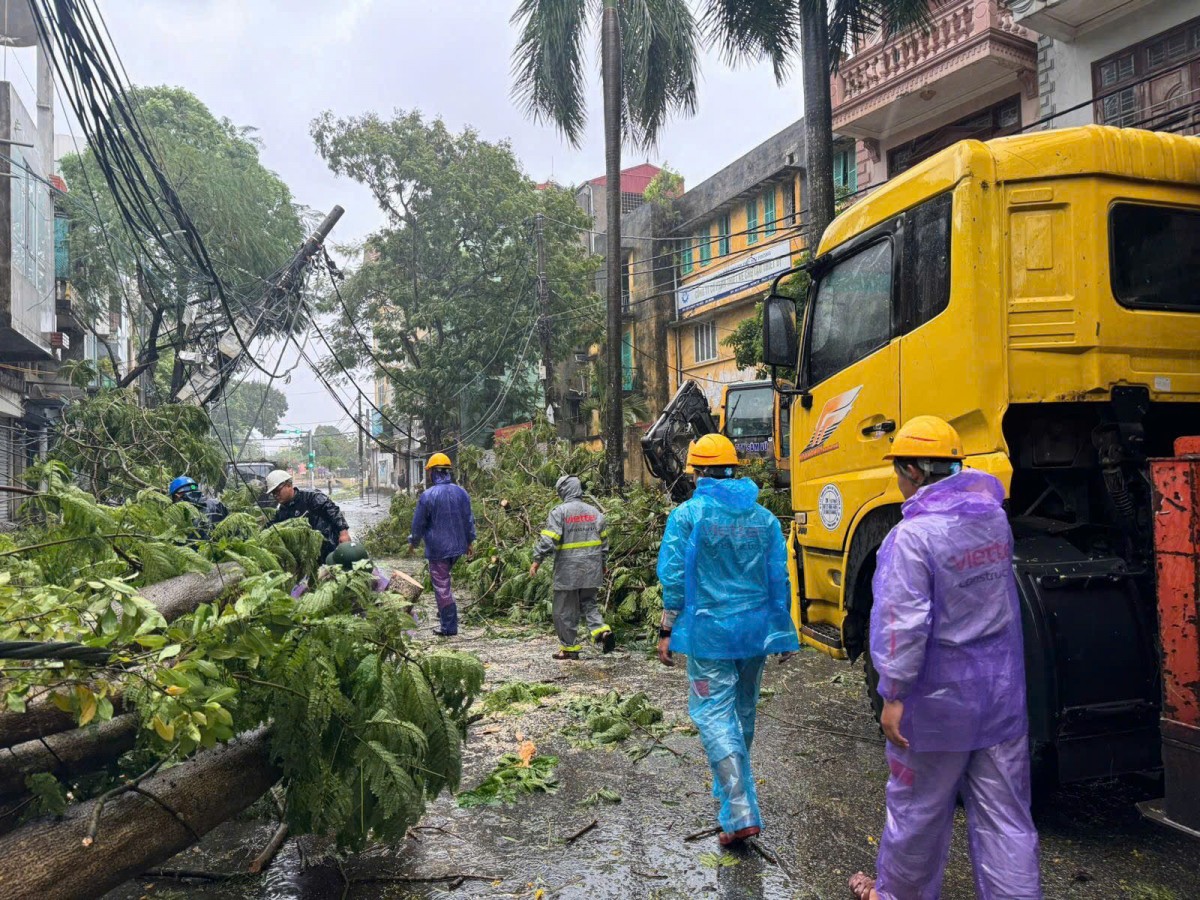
[102, 327]
[581, 356]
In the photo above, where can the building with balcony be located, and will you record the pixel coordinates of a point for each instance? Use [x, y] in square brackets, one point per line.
[592, 199]
[1129, 63]
[969, 72]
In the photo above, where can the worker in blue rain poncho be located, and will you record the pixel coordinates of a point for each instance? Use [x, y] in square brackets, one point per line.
[723, 569]
[946, 641]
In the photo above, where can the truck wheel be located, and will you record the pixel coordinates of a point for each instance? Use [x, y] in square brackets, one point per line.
[860, 569]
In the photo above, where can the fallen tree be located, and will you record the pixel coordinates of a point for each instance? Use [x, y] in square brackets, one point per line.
[172, 598]
[364, 728]
[138, 828]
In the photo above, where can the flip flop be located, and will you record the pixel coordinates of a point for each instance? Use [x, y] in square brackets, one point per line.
[726, 839]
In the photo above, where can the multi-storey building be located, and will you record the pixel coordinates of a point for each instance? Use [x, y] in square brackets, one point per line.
[970, 72]
[1131, 63]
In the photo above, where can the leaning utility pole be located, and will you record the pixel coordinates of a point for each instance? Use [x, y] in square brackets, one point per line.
[544, 332]
[362, 472]
[610, 62]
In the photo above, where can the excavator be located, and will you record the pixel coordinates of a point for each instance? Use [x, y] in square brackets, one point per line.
[749, 414]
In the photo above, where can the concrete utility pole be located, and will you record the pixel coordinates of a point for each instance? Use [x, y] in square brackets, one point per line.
[544, 332]
[362, 472]
[312, 463]
[614, 427]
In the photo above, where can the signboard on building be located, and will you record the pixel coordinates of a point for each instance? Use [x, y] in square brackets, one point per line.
[743, 273]
[376, 423]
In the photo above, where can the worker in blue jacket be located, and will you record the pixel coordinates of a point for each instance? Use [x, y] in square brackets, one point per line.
[445, 522]
[723, 569]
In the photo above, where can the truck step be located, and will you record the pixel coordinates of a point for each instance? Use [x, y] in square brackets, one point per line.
[824, 633]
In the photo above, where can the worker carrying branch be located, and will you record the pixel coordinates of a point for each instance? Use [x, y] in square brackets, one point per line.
[946, 642]
[723, 569]
[576, 536]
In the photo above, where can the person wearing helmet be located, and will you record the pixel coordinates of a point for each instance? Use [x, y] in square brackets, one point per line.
[575, 536]
[946, 640]
[185, 490]
[445, 522]
[726, 600]
[323, 515]
[345, 556]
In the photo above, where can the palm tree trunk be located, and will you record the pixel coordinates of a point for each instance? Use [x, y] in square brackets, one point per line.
[818, 121]
[610, 68]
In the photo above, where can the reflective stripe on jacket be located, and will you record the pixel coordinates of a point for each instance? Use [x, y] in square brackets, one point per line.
[575, 533]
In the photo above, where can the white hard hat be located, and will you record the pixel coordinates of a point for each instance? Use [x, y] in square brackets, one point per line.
[276, 478]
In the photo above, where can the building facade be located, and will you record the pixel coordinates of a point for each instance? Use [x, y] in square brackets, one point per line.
[970, 73]
[738, 231]
[1130, 63]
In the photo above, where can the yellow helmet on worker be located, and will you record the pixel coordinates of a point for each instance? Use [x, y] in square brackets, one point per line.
[712, 451]
[926, 437]
[438, 461]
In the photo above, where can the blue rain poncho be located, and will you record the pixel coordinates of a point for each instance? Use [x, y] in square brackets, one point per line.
[723, 569]
[443, 519]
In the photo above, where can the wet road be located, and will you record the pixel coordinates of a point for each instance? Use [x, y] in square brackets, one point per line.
[818, 759]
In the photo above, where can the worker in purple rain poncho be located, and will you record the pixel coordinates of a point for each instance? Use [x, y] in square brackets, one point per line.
[946, 642]
[723, 569]
[444, 521]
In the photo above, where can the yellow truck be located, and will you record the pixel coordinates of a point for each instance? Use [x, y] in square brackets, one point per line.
[1042, 293]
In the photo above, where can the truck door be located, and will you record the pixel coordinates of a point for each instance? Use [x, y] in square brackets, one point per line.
[851, 369]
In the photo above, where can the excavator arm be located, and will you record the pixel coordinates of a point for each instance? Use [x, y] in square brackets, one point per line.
[665, 445]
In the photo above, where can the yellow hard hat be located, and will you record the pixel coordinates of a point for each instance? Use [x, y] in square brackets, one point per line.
[926, 437]
[438, 461]
[712, 450]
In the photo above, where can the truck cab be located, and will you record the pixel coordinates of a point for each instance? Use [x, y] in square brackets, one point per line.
[755, 417]
[1039, 293]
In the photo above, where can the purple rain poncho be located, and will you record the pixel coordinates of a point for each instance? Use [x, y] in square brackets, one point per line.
[443, 519]
[946, 640]
[945, 625]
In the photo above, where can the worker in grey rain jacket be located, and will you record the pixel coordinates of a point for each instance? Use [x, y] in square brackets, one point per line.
[576, 536]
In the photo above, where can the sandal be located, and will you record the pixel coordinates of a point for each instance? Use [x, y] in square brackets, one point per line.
[726, 839]
[863, 886]
[566, 654]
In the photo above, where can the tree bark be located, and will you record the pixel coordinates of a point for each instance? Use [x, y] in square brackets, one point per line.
[818, 122]
[47, 858]
[610, 52]
[173, 598]
[66, 753]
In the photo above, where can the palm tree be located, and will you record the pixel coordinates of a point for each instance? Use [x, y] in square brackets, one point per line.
[648, 69]
[782, 29]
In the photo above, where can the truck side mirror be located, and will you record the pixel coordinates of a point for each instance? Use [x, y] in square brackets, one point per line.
[780, 343]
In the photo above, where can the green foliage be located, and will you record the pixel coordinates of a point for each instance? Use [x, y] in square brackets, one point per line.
[334, 449]
[517, 694]
[446, 283]
[49, 796]
[717, 860]
[243, 211]
[610, 720]
[390, 536]
[510, 778]
[365, 727]
[117, 447]
[244, 408]
[664, 188]
[605, 795]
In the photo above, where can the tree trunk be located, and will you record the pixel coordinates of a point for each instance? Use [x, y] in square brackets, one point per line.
[610, 51]
[173, 598]
[178, 596]
[47, 858]
[67, 753]
[818, 122]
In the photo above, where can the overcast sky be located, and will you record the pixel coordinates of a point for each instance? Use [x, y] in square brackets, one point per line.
[276, 64]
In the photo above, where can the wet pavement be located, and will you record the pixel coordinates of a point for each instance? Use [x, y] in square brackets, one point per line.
[818, 759]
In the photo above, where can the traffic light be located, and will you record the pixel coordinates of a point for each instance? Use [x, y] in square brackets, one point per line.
[312, 457]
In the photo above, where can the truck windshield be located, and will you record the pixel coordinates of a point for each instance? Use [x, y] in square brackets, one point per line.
[1155, 257]
[749, 412]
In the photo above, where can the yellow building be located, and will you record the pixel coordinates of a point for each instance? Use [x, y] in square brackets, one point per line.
[733, 251]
